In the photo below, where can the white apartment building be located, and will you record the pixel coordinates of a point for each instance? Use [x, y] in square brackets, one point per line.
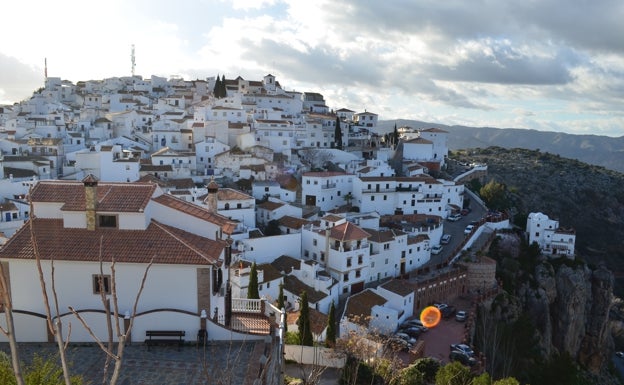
[394, 253]
[342, 248]
[205, 153]
[182, 163]
[326, 190]
[552, 239]
[408, 195]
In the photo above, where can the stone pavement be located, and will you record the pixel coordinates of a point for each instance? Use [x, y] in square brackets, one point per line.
[217, 363]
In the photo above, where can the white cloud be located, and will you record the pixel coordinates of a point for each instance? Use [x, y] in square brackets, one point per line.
[480, 62]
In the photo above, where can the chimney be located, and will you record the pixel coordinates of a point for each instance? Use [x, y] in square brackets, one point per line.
[90, 183]
[211, 200]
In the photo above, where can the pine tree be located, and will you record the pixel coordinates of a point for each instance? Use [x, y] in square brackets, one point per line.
[305, 332]
[338, 134]
[330, 336]
[217, 87]
[280, 303]
[252, 290]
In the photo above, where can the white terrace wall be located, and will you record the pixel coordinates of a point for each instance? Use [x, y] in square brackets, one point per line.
[267, 249]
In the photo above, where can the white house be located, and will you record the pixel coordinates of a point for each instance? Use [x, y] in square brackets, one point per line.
[552, 239]
[75, 225]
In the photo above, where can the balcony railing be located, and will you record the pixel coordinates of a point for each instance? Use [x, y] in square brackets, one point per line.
[243, 305]
[328, 185]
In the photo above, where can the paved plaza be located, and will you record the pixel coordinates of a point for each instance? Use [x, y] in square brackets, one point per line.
[217, 363]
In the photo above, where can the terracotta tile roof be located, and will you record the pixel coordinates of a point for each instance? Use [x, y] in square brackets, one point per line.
[359, 306]
[332, 218]
[228, 226]
[112, 197]
[229, 194]
[9, 206]
[318, 320]
[167, 245]
[380, 236]
[419, 140]
[293, 222]
[434, 130]
[295, 286]
[417, 239]
[268, 205]
[286, 264]
[348, 232]
[400, 287]
[324, 173]
[156, 167]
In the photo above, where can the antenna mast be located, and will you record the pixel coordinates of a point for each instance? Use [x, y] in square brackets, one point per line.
[132, 58]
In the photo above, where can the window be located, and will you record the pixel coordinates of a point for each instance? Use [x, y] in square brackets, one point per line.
[345, 277]
[348, 262]
[372, 197]
[314, 242]
[322, 256]
[107, 221]
[101, 283]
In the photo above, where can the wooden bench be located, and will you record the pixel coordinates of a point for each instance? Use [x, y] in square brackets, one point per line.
[164, 337]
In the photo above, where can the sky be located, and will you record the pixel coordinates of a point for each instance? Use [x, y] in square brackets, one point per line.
[551, 65]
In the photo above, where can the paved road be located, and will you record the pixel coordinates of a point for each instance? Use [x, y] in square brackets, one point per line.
[456, 230]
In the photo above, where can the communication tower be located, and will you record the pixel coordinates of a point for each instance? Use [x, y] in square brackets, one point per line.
[132, 59]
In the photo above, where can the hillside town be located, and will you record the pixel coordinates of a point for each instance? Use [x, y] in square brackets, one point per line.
[206, 183]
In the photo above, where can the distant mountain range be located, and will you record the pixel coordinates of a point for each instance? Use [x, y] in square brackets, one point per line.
[598, 150]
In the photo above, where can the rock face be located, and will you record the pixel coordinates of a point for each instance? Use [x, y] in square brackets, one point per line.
[570, 309]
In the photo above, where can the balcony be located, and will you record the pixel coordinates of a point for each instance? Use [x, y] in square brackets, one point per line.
[328, 186]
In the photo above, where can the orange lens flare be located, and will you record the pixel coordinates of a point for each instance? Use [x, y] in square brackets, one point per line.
[430, 316]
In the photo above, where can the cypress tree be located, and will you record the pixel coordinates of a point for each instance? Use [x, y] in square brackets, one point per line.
[338, 134]
[395, 135]
[330, 337]
[280, 303]
[303, 323]
[217, 87]
[223, 92]
[252, 290]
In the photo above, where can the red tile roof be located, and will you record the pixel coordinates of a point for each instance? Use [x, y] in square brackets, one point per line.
[113, 197]
[359, 306]
[167, 245]
[348, 232]
[227, 225]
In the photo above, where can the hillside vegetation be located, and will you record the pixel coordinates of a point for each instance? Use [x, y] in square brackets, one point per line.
[600, 150]
[585, 197]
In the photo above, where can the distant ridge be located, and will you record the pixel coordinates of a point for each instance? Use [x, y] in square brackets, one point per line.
[598, 150]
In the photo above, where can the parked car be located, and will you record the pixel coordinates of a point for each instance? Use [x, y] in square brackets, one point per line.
[469, 229]
[620, 354]
[461, 316]
[440, 306]
[446, 238]
[397, 344]
[462, 348]
[417, 323]
[463, 358]
[437, 249]
[448, 311]
[454, 217]
[406, 337]
[412, 331]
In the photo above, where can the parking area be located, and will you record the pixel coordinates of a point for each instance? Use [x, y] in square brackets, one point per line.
[437, 340]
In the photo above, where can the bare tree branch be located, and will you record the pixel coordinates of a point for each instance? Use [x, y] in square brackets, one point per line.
[91, 333]
[10, 331]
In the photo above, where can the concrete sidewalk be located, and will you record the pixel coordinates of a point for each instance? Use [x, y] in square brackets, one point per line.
[217, 363]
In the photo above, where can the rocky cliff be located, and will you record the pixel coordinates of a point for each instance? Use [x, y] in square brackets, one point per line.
[565, 306]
